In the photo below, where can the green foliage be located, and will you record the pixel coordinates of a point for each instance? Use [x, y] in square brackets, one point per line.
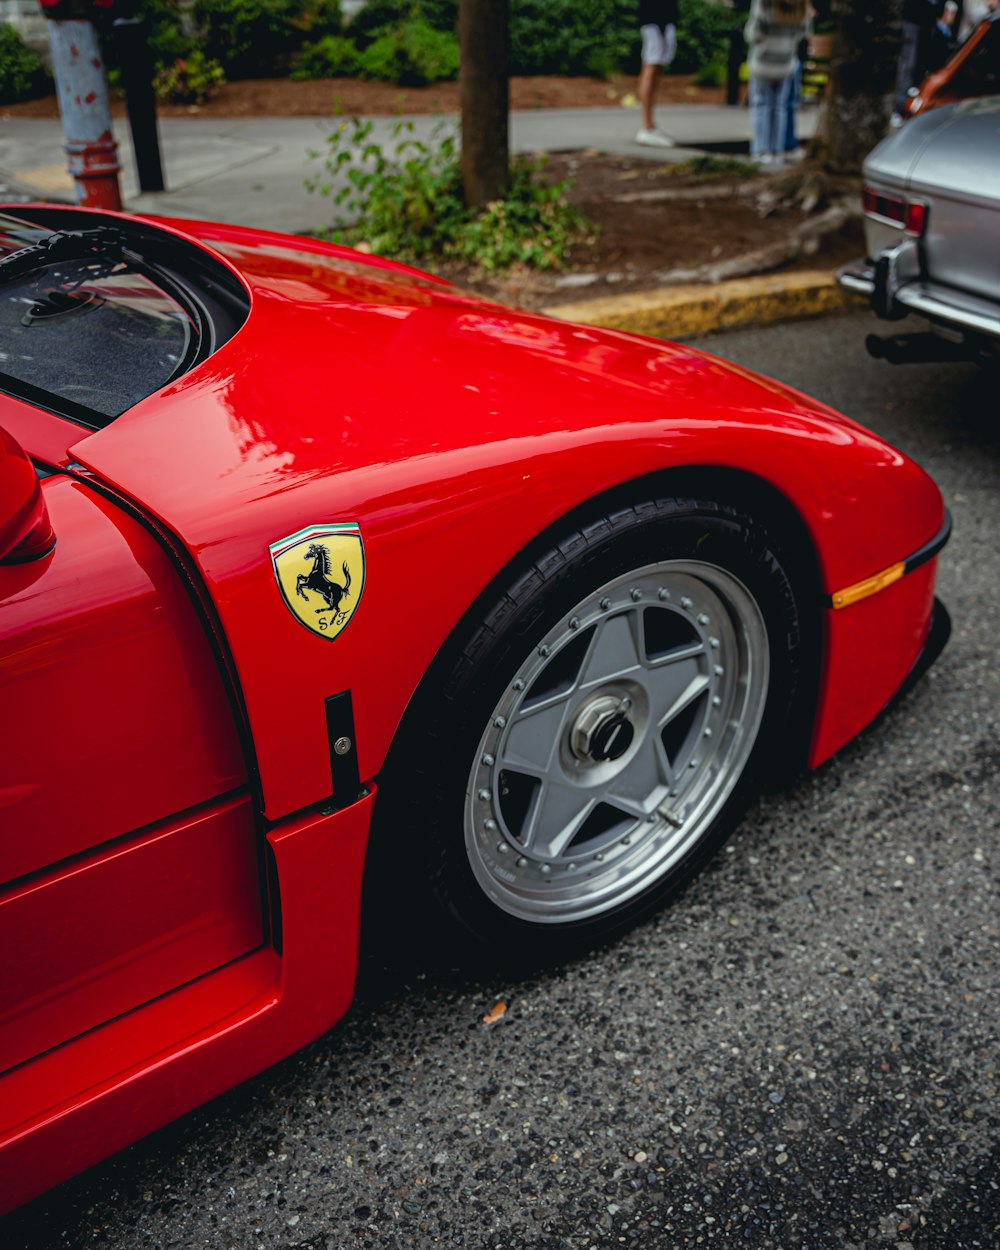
[703, 34]
[712, 74]
[593, 37]
[405, 200]
[189, 80]
[412, 54]
[22, 74]
[254, 38]
[709, 166]
[534, 224]
[168, 40]
[333, 56]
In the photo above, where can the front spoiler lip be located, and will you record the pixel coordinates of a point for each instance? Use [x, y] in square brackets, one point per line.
[937, 640]
[869, 586]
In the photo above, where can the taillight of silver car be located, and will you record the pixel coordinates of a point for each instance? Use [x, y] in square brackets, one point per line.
[895, 210]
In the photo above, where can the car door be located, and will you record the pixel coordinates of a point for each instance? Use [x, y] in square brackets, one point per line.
[129, 858]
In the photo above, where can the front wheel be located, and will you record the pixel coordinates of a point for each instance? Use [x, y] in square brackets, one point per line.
[597, 734]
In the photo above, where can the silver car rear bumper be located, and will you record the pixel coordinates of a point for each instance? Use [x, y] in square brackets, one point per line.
[895, 288]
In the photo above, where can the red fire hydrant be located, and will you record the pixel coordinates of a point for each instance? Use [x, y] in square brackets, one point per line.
[82, 90]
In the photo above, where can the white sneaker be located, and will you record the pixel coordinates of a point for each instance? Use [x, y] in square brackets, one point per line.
[654, 139]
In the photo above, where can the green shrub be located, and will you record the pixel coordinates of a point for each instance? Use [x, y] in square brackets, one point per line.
[256, 38]
[412, 54]
[22, 74]
[594, 37]
[333, 56]
[405, 200]
[534, 224]
[572, 36]
[189, 80]
[703, 34]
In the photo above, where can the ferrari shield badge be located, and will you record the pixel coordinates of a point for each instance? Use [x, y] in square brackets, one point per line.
[321, 574]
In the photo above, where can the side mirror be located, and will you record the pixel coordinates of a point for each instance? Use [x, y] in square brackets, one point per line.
[25, 530]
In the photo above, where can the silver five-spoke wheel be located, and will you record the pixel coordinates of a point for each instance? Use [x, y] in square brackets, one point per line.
[617, 742]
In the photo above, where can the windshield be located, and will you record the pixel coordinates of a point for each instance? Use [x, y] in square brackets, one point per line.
[98, 330]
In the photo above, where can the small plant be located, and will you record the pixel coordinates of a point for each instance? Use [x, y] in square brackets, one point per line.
[534, 224]
[709, 166]
[404, 200]
[189, 80]
[22, 74]
[412, 54]
[330, 57]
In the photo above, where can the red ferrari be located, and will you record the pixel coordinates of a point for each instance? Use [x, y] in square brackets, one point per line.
[326, 588]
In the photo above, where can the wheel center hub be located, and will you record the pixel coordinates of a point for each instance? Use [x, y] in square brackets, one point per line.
[602, 730]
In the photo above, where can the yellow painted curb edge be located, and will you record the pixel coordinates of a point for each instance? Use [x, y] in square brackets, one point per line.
[686, 311]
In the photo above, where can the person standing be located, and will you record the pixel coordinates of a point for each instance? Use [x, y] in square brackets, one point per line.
[658, 25]
[773, 31]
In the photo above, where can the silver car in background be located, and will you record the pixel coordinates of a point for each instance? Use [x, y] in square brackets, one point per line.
[932, 227]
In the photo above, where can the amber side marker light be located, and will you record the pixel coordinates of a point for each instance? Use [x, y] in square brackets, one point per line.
[870, 586]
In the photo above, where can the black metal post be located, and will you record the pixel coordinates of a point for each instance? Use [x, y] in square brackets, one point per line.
[136, 64]
[737, 49]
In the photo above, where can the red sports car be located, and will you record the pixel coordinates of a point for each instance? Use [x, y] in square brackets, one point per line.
[323, 584]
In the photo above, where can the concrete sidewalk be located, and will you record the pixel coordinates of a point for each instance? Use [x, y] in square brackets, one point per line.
[252, 171]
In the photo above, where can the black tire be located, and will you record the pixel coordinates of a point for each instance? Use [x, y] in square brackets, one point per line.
[591, 742]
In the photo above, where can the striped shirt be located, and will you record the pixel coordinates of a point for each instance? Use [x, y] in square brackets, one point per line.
[772, 43]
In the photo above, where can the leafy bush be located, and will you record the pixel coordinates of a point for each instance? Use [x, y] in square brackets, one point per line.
[260, 37]
[534, 224]
[406, 201]
[703, 34]
[412, 54]
[572, 36]
[594, 37]
[333, 56]
[189, 80]
[22, 74]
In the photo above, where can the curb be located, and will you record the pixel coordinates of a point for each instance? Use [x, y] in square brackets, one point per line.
[700, 308]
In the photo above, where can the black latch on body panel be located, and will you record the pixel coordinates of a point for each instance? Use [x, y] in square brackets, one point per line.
[343, 749]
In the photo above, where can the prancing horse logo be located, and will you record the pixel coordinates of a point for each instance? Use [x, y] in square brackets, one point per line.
[303, 568]
[319, 580]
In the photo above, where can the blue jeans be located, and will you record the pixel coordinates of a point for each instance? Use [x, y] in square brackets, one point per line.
[768, 115]
[791, 108]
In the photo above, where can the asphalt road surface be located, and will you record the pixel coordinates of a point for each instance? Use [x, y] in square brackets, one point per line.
[801, 1053]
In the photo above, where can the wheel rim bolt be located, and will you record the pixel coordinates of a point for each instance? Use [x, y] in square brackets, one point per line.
[488, 761]
[519, 684]
[545, 870]
[543, 651]
[703, 618]
[575, 623]
[599, 857]
[719, 670]
[490, 825]
[605, 604]
[716, 701]
[522, 862]
[713, 643]
[485, 795]
[663, 593]
[708, 733]
[686, 602]
[500, 721]
[636, 594]
[503, 848]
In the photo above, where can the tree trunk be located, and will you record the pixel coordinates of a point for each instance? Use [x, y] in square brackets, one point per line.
[863, 80]
[484, 94]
